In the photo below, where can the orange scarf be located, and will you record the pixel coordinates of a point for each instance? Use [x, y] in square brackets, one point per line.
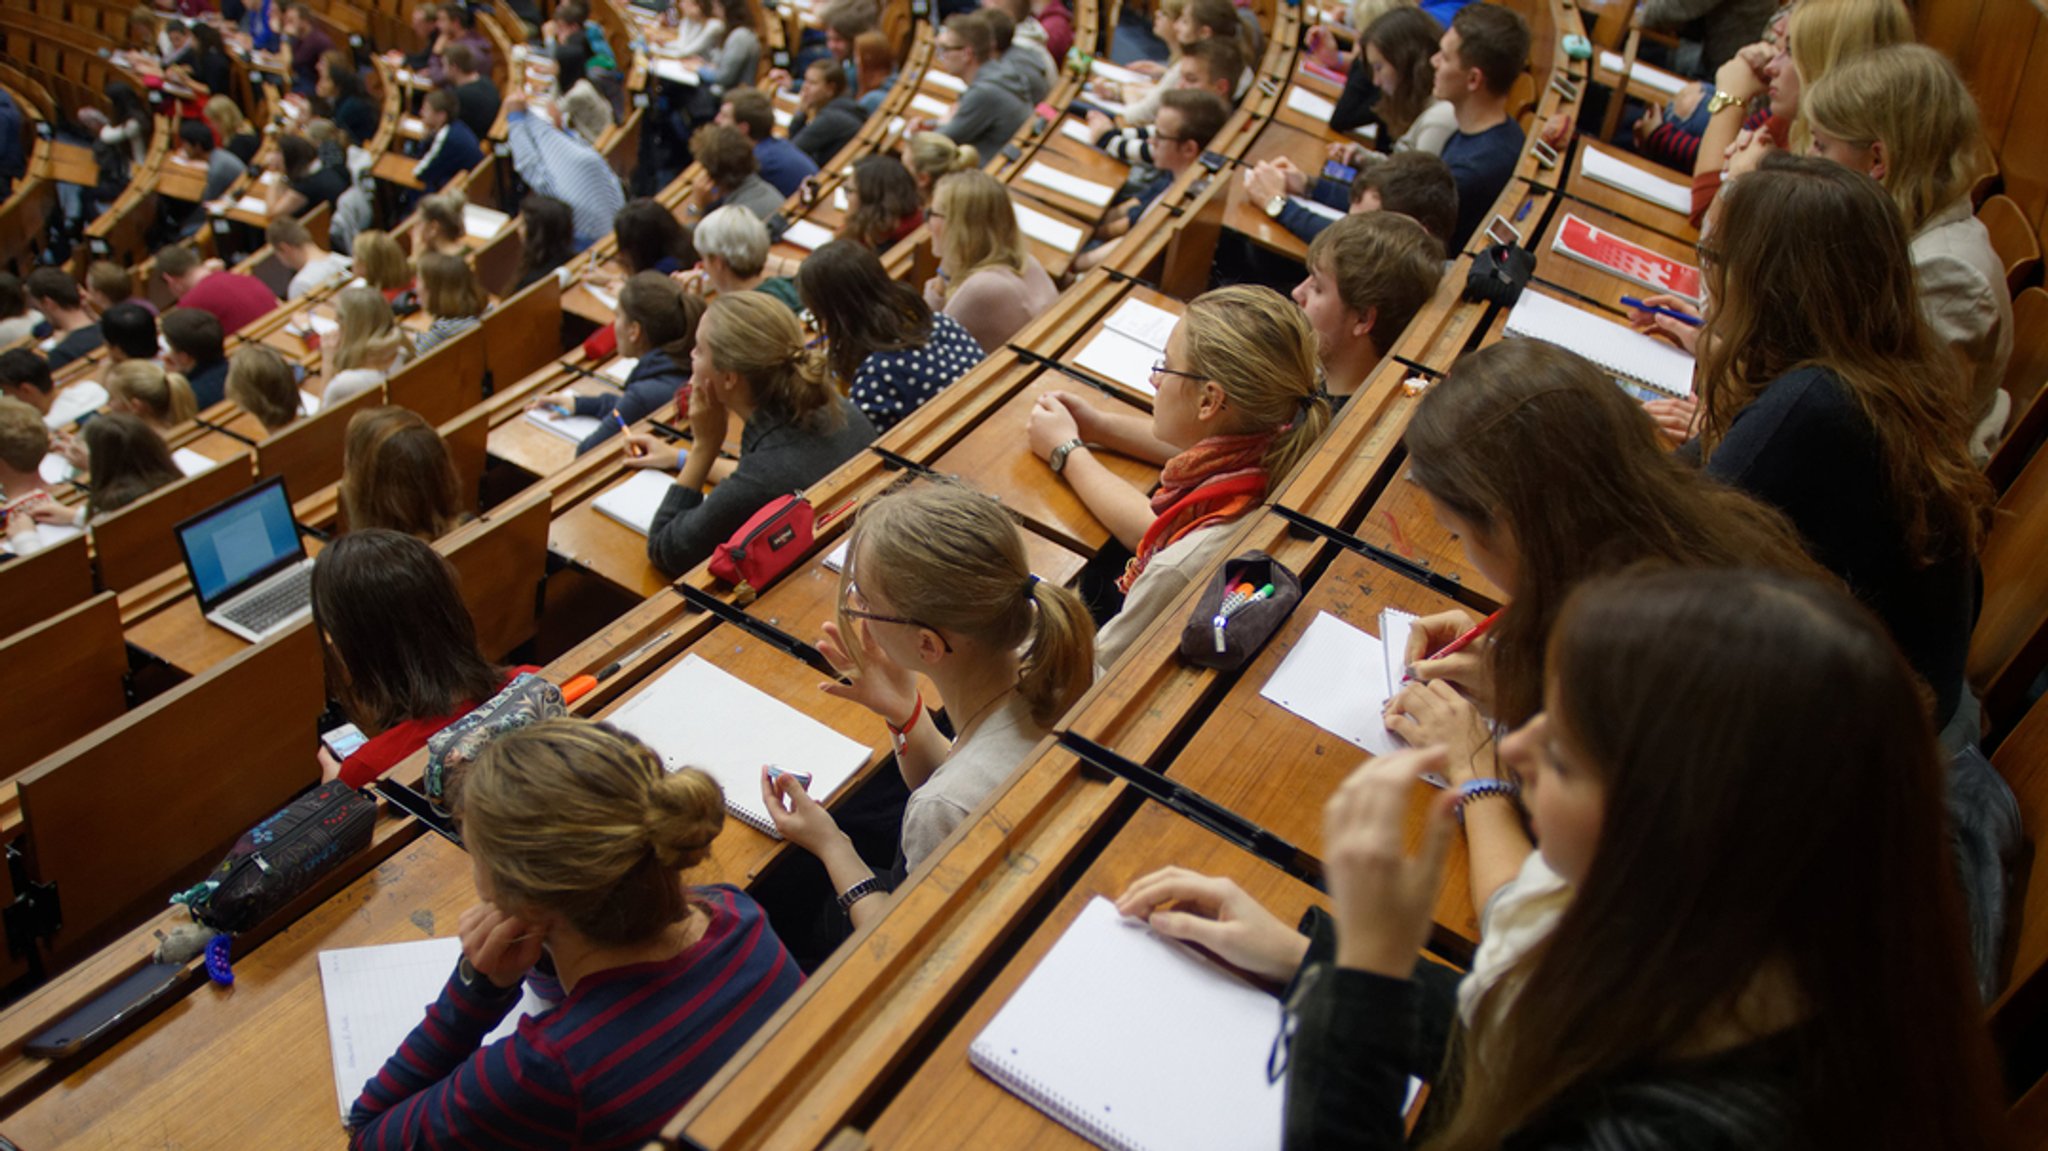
[1216, 481]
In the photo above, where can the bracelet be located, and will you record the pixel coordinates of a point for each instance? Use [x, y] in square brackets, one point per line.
[858, 892]
[1487, 788]
[901, 731]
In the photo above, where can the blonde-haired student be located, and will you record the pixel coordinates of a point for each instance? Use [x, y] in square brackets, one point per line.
[262, 384]
[142, 388]
[1237, 409]
[988, 279]
[578, 837]
[937, 584]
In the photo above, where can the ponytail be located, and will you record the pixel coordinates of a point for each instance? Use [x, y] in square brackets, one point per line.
[758, 338]
[1257, 345]
[1060, 663]
[183, 403]
[167, 395]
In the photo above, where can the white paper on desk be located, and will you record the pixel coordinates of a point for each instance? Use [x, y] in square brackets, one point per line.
[1322, 111]
[674, 72]
[1115, 356]
[1104, 70]
[375, 997]
[1611, 344]
[835, 560]
[896, 125]
[1644, 74]
[1143, 322]
[839, 199]
[930, 106]
[253, 205]
[699, 715]
[1054, 233]
[191, 463]
[619, 369]
[1336, 678]
[1616, 173]
[808, 236]
[54, 469]
[1317, 207]
[412, 126]
[1068, 184]
[270, 179]
[481, 223]
[575, 429]
[309, 404]
[1074, 129]
[634, 502]
[313, 322]
[610, 301]
[946, 80]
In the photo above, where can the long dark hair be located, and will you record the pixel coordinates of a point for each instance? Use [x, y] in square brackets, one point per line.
[1790, 291]
[128, 459]
[401, 641]
[550, 236]
[1407, 39]
[888, 197]
[1773, 822]
[858, 307]
[1505, 441]
[647, 233]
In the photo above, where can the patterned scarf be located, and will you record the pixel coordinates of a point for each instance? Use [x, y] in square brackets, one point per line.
[1215, 481]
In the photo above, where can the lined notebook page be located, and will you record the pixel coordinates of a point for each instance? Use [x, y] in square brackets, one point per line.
[1115, 356]
[1603, 168]
[1143, 322]
[808, 236]
[697, 715]
[376, 995]
[634, 502]
[1336, 677]
[1138, 1043]
[1612, 345]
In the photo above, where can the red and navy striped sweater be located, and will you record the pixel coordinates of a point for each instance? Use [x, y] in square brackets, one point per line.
[606, 1068]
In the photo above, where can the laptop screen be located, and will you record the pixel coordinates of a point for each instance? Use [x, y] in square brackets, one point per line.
[240, 542]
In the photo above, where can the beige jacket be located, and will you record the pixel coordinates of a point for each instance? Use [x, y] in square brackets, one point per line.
[1963, 295]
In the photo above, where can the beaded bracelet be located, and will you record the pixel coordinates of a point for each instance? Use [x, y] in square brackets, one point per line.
[1476, 789]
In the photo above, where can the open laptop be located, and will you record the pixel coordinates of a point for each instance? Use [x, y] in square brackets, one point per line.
[247, 564]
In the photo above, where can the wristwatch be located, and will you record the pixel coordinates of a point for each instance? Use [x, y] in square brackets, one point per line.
[1058, 459]
[1721, 100]
[1274, 205]
[858, 892]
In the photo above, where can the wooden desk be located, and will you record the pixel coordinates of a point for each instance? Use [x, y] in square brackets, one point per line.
[532, 448]
[1307, 152]
[1401, 521]
[181, 179]
[994, 458]
[395, 167]
[1677, 225]
[73, 164]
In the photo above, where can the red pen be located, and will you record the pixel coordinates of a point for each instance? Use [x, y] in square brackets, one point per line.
[1459, 644]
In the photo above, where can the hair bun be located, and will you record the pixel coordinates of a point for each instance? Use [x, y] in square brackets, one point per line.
[685, 812]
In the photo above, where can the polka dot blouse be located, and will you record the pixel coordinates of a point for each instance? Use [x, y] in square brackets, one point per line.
[890, 385]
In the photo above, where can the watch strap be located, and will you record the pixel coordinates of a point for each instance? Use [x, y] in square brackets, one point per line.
[858, 892]
[1057, 460]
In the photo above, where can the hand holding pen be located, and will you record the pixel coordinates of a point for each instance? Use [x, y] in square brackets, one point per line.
[1667, 316]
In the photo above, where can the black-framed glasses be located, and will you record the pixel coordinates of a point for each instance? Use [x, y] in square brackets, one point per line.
[849, 597]
[1706, 254]
[1160, 369]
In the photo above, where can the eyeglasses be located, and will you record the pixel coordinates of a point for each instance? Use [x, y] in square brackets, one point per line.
[944, 48]
[1707, 255]
[1160, 369]
[853, 605]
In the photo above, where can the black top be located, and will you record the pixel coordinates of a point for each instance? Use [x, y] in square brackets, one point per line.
[322, 187]
[243, 145]
[1355, 105]
[1805, 446]
[358, 117]
[477, 105]
[822, 136]
[75, 343]
[209, 383]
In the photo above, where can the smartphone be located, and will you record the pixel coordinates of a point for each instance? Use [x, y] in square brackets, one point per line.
[343, 741]
[1342, 173]
[97, 1020]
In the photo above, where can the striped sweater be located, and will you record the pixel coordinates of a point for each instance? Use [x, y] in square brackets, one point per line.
[604, 1069]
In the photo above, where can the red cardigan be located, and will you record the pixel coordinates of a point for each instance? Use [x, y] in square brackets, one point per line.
[384, 750]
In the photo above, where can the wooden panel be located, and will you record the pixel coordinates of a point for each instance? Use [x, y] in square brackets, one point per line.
[525, 332]
[447, 382]
[1994, 58]
[501, 562]
[2005, 649]
[40, 586]
[61, 679]
[123, 818]
[2023, 152]
[2022, 758]
[468, 439]
[308, 454]
[137, 542]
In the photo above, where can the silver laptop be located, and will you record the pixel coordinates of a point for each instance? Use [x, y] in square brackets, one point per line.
[247, 564]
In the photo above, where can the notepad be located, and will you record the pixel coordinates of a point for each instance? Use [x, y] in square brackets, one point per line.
[946, 80]
[253, 205]
[1146, 323]
[1074, 129]
[1104, 70]
[1054, 233]
[191, 463]
[1627, 353]
[1602, 168]
[1336, 677]
[54, 469]
[698, 715]
[1115, 356]
[1138, 1043]
[610, 301]
[375, 996]
[674, 72]
[839, 199]
[634, 502]
[808, 236]
[1317, 207]
[481, 223]
[1316, 107]
[1598, 248]
[575, 429]
[619, 369]
[1068, 184]
[1649, 77]
[936, 109]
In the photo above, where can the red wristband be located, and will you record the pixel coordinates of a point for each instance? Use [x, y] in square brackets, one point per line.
[916, 713]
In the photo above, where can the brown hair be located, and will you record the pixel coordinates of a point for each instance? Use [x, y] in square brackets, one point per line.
[584, 821]
[974, 31]
[949, 557]
[1494, 40]
[888, 198]
[381, 261]
[858, 308]
[1258, 347]
[128, 461]
[442, 214]
[24, 438]
[449, 287]
[873, 60]
[1787, 297]
[110, 280]
[1221, 58]
[287, 230]
[726, 156]
[752, 110]
[261, 383]
[1407, 38]
[1383, 263]
[1202, 113]
[1734, 856]
[666, 314]
[397, 474]
[756, 337]
[1418, 185]
[1502, 442]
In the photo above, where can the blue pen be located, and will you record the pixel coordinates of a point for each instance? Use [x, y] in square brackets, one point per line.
[1524, 209]
[1681, 317]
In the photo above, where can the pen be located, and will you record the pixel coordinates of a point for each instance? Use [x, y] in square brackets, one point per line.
[631, 450]
[581, 685]
[1681, 317]
[1459, 644]
[1523, 211]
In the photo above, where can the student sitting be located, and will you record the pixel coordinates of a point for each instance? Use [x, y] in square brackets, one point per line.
[559, 163]
[1163, 73]
[988, 279]
[234, 131]
[127, 460]
[750, 361]
[1615, 1021]
[699, 30]
[382, 264]
[1211, 65]
[889, 349]
[396, 474]
[1187, 121]
[368, 348]
[931, 157]
[130, 333]
[937, 584]
[194, 347]
[441, 227]
[451, 146]
[1903, 115]
[1199, 20]
[312, 266]
[548, 234]
[1400, 47]
[1237, 409]
[827, 118]
[732, 176]
[223, 167]
[1024, 70]
[25, 376]
[452, 298]
[782, 164]
[340, 90]
[874, 71]
[650, 239]
[455, 23]
[732, 254]
[586, 112]
[18, 321]
[106, 284]
[882, 206]
[160, 399]
[236, 299]
[1415, 184]
[306, 182]
[656, 323]
[1367, 277]
[735, 61]
[578, 835]
[261, 384]
[476, 98]
[1482, 52]
[73, 332]
[24, 441]
[987, 114]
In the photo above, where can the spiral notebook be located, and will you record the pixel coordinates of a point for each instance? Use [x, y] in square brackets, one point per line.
[1138, 1043]
[698, 715]
[634, 502]
[1625, 352]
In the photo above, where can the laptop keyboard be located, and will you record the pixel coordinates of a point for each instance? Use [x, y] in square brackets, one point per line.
[261, 609]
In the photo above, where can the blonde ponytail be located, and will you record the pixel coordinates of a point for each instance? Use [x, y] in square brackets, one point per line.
[754, 335]
[1258, 347]
[1060, 662]
[166, 395]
